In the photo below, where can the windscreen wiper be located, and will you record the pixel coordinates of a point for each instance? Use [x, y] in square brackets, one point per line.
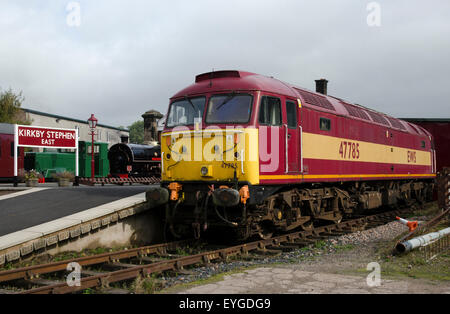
[192, 104]
[231, 96]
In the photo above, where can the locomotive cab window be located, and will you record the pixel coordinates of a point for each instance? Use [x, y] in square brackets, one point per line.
[233, 108]
[325, 124]
[422, 144]
[291, 112]
[186, 111]
[270, 111]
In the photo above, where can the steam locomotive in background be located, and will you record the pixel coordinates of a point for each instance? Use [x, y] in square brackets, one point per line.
[134, 160]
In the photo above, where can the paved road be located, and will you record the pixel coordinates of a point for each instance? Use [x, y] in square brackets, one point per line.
[32, 209]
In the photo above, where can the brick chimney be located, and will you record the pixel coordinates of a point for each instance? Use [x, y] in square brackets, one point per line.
[321, 86]
[151, 126]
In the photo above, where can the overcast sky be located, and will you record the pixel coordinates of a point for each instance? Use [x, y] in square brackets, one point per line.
[127, 57]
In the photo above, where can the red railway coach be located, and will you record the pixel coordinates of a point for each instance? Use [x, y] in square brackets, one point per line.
[297, 157]
[7, 153]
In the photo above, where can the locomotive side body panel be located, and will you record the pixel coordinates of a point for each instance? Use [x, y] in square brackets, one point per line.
[356, 150]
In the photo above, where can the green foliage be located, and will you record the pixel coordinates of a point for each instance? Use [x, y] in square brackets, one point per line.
[32, 175]
[137, 132]
[10, 107]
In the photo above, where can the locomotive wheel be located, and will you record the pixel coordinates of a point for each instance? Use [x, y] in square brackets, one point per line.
[265, 230]
[307, 226]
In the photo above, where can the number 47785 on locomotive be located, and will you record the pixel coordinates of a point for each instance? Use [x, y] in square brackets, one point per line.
[257, 155]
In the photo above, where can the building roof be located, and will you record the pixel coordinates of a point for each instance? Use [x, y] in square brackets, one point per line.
[438, 120]
[70, 119]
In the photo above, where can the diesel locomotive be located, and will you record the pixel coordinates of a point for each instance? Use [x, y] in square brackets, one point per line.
[250, 155]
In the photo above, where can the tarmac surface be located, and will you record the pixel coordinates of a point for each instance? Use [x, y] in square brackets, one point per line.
[28, 210]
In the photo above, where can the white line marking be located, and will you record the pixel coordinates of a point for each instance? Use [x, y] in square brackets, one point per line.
[20, 193]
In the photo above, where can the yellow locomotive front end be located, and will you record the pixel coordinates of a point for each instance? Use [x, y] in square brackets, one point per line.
[210, 155]
[209, 161]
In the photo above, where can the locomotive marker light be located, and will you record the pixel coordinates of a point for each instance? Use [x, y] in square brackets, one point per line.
[92, 124]
[42, 137]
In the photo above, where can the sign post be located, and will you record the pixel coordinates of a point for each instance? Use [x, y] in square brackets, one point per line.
[42, 137]
[16, 140]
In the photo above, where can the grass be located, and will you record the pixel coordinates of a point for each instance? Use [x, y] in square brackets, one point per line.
[428, 209]
[148, 285]
[413, 264]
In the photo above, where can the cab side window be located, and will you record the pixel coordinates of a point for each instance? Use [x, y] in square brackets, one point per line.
[325, 124]
[291, 111]
[270, 111]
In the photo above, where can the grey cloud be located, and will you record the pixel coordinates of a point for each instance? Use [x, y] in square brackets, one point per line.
[130, 56]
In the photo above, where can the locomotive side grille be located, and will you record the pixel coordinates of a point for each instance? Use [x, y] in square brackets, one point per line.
[355, 111]
[395, 123]
[378, 118]
[315, 100]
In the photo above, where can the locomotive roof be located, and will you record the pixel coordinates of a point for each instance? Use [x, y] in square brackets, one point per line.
[231, 80]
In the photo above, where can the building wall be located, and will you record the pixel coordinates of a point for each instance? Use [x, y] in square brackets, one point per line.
[440, 129]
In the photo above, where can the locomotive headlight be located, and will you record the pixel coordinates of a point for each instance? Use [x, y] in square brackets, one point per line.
[206, 171]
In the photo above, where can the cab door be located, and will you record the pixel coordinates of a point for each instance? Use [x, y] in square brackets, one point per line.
[271, 136]
[292, 137]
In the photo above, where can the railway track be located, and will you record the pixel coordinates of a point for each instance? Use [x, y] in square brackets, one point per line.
[128, 264]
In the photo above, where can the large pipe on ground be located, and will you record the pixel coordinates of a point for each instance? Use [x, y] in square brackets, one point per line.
[424, 240]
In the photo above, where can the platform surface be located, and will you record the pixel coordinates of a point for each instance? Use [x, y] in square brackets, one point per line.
[46, 205]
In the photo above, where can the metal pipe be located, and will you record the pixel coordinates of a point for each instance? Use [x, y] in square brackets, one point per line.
[424, 240]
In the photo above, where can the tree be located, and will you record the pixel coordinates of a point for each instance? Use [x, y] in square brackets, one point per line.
[137, 132]
[10, 107]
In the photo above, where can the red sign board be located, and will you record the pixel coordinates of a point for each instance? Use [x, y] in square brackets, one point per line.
[46, 137]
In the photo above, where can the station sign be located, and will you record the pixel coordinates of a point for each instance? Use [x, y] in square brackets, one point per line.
[43, 137]
[31, 136]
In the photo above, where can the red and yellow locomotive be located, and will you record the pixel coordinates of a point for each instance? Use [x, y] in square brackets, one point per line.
[257, 155]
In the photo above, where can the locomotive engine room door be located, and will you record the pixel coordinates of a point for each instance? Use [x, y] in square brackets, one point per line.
[292, 137]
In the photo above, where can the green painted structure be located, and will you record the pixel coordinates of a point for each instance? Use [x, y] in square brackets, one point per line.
[51, 162]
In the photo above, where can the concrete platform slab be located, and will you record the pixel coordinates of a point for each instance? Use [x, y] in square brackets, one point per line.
[106, 209]
[18, 237]
[54, 226]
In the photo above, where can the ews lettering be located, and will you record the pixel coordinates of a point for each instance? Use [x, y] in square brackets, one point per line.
[412, 157]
